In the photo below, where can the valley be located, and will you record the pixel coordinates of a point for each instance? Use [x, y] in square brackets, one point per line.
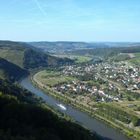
[101, 86]
[104, 87]
[69, 70]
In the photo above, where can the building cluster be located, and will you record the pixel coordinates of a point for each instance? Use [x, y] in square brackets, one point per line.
[126, 75]
[82, 88]
[112, 74]
[120, 72]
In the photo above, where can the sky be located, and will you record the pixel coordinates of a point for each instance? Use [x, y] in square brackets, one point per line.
[70, 20]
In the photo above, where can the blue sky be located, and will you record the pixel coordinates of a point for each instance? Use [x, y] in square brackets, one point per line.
[70, 20]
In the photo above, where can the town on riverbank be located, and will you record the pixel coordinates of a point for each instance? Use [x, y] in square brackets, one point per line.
[107, 91]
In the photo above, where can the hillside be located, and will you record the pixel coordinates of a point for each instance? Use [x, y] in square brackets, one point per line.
[26, 56]
[10, 71]
[59, 46]
[21, 119]
[106, 52]
[13, 51]
[35, 59]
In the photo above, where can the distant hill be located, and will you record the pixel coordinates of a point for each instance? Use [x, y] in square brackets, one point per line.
[10, 71]
[27, 56]
[106, 52]
[59, 47]
[65, 46]
[62, 46]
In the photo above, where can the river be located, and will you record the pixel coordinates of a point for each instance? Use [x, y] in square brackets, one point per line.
[102, 129]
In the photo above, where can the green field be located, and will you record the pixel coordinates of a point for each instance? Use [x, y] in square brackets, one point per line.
[80, 59]
[51, 78]
[129, 106]
[77, 58]
[136, 59]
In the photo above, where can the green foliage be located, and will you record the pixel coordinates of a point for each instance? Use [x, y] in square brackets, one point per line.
[111, 112]
[59, 46]
[136, 59]
[20, 121]
[31, 122]
[11, 71]
[35, 59]
[107, 52]
[120, 57]
[13, 51]
[26, 56]
[7, 88]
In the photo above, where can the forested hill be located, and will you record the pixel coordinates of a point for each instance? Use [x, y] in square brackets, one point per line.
[22, 119]
[64, 46]
[35, 59]
[11, 71]
[59, 46]
[106, 52]
[26, 56]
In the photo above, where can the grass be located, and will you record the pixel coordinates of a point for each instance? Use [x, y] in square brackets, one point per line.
[136, 59]
[128, 106]
[51, 78]
[78, 58]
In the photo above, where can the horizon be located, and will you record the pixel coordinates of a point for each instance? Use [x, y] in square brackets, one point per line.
[73, 41]
[70, 20]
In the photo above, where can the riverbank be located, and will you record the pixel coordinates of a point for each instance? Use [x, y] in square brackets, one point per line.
[128, 132]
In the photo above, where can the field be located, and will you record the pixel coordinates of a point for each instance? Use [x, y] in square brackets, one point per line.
[136, 59]
[129, 106]
[51, 78]
[80, 59]
[77, 58]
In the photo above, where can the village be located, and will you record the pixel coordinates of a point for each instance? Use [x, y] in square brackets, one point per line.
[102, 82]
[108, 89]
